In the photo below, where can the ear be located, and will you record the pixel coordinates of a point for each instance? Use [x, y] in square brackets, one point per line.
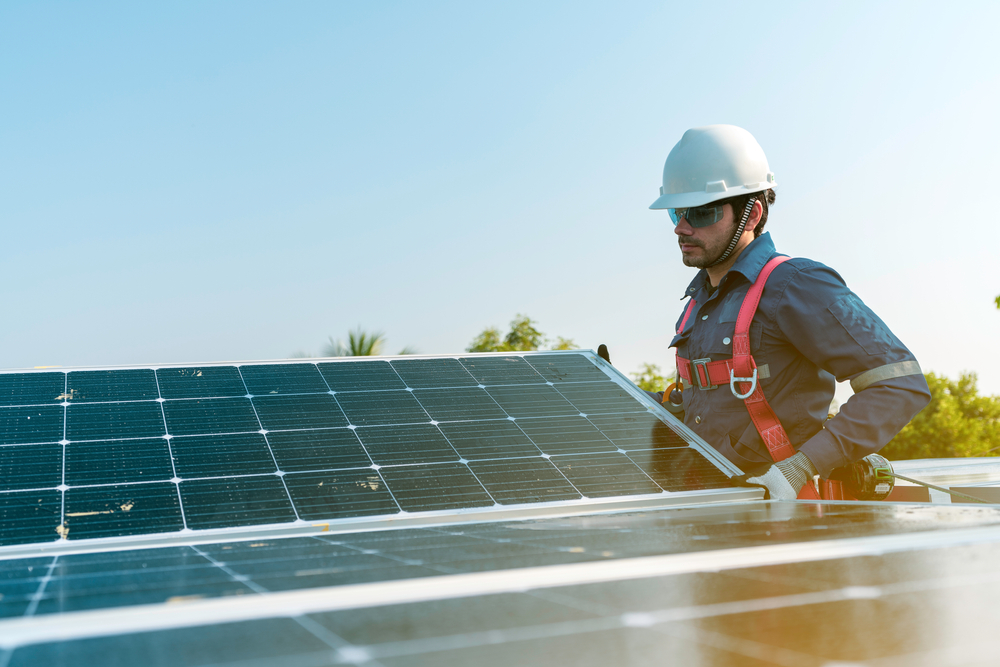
[755, 213]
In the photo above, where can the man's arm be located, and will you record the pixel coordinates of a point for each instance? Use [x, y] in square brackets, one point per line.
[834, 329]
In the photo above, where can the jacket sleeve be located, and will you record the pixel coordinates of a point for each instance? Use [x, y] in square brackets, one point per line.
[829, 325]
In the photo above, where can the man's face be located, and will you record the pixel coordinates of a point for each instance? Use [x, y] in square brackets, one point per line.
[702, 247]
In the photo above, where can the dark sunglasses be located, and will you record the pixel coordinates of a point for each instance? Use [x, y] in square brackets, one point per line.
[699, 217]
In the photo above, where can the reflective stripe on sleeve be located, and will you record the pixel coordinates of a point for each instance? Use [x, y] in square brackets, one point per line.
[887, 372]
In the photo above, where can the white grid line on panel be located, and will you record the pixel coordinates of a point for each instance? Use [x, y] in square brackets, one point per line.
[268, 443]
[373, 467]
[170, 453]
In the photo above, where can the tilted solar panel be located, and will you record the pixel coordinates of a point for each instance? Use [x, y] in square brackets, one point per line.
[118, 452]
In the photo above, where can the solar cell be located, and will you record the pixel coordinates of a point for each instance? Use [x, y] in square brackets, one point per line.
[360, 376]
[220, 455]
[137, 384]
[22, 425]
[501, 370]
[523, 480]
[117, 461]
[200, 382]
[443, 486]
[531, 401]
[107, 421]
[283, 379]
[680, 469]
[382, 407]
[32, 388]
[566, 368]
[235, 501]
[431, 373]
[121, 509]
[489, 439]
[461, 404]
[604, 475]
[206, 447]
[636, 431]
[340, 494]
[599, 397]
[565, 435]
[283, 413]
[30, 466]
[210, 415]
[31, 516]
[406, 443]
[326, 449]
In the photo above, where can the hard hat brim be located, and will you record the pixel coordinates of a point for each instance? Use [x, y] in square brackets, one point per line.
[691, 199]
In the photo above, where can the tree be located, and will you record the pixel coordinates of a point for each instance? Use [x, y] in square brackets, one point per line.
[523, 336]
[957, 422]
[360, 343]
[997, 300]
[650, 378]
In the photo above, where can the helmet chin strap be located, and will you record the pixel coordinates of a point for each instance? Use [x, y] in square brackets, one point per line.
[737, 234]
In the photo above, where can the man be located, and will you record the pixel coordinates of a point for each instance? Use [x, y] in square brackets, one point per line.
[808, 331]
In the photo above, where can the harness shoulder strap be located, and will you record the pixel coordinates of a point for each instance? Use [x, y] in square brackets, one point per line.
[687, 314]
[761, 413]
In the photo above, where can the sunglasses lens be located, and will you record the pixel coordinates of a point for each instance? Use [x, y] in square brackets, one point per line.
[703, 216]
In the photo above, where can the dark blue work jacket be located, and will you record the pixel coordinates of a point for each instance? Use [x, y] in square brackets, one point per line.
[808, 330]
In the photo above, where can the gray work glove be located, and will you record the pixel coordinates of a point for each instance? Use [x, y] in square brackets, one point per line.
[784, 479]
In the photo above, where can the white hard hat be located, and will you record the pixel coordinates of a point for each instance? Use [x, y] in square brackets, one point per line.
[712, 163]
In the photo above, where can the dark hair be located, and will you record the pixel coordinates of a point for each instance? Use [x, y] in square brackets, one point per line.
[765, 198]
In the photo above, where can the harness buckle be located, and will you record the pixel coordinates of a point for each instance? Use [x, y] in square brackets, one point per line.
[733, 380]
[696, 375]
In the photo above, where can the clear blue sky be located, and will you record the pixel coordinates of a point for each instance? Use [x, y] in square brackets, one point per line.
[236, 180]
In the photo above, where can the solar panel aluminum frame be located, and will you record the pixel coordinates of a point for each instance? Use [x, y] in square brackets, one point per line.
[409, 519]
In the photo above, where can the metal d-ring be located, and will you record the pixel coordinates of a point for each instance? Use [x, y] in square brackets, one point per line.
[733, 380]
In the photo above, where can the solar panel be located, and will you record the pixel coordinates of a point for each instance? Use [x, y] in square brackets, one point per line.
[446, 510]
[118, 452]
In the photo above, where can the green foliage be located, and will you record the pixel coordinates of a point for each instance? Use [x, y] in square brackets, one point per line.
[564, 344]
[488, 341]
[523, 336]
[957, 422]
[997, 300]
[360, 343]
[651, 378]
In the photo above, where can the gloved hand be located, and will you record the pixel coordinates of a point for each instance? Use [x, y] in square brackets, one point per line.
[784, 479]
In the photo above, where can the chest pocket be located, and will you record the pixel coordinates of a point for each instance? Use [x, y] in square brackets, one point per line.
[729, 309]
[680, 340]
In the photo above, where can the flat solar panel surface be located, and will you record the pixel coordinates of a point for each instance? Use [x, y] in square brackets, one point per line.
[120, 452]
[875, 585]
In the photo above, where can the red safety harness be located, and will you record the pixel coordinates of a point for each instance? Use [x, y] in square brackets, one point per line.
[741, 372]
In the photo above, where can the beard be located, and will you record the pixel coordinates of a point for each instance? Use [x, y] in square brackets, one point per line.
[711, 251]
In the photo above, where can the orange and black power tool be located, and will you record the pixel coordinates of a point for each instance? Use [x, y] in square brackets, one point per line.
[871, 478]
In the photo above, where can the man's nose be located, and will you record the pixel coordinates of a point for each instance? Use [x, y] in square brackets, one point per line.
[683, 228]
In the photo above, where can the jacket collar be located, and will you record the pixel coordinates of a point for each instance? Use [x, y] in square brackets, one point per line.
[750, 262]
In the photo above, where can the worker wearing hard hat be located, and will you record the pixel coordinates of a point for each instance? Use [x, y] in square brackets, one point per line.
[759, 377]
